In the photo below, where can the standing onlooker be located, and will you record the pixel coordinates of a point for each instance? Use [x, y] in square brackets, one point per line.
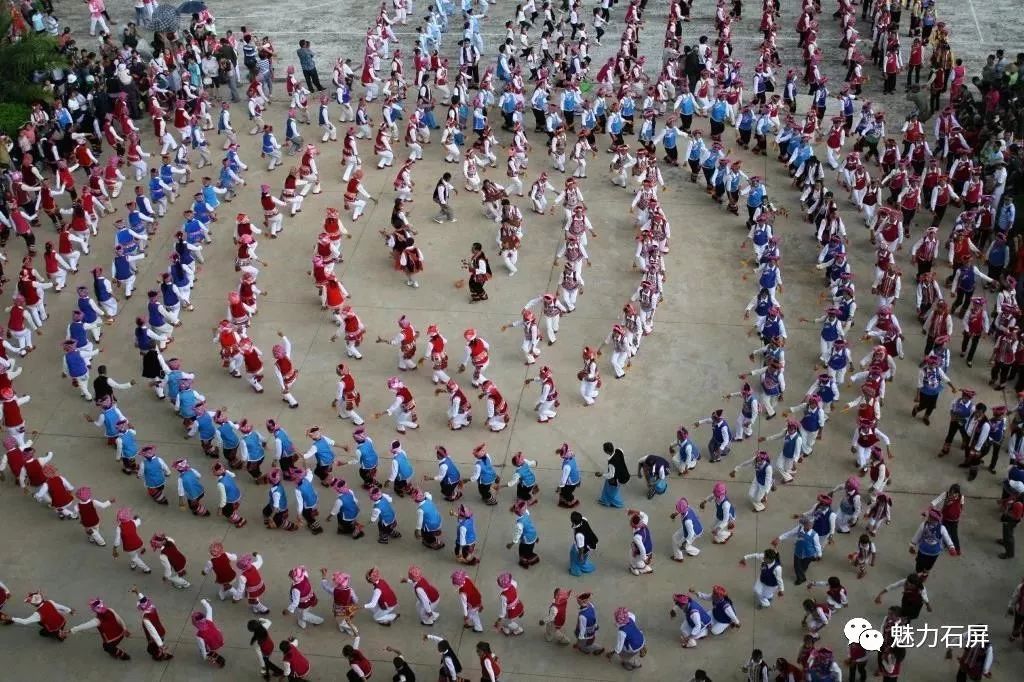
[442, 197]
[307, 60]
[1012, 514]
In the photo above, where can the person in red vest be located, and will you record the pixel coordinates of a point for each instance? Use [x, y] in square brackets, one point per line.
[223, 572]
[284, 369]
[111, 627]
[555, 618]
[345, 601]
[489, 663]
[57, 493]
[250, 582]
[126, 538]
[88, 514]
[49, 614]
[172, 560]
[302, 598]
[208, 635]
[360, 667]
[263, 644]
[469, 597]
[296, 666]
[5, 594]
[152, 628]
[383, 601]
[427, 596]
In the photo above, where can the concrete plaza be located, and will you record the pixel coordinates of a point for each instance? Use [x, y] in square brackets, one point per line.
[699, 347]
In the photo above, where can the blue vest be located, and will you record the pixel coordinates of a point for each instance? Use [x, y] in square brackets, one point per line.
[268, 145]
[144, 343]
[179, 278]
[470, 527]
[931, 382]
[227, 181]
[804, 547]
[966, 281]
[811, 422]
[930, 543]
[387, 512]
[634, 638]
[129, 446]
[825, 392]
[308, 494]
[746, 121]
[287, 448]
[589, 616]
[761, 472]
[628, 106]
[404, 467]
[720, 510]
[166, 173]
[695, 151]
[823, 521]
[574, 471]
[190, 482]
[837, 359]
[367, 455]
[228, 435]
[719, 433]
[645, 538]
[487, 473]
[122, 268]
[173, 381]
[141, 205]
[451, 475]
[156, 318]
[669, 138]
[687, 106]
[110, 417]
[282, 495]
[323, 452]
[694, 606]
[187, 403]
[323, 115]
[431, 517]
[768, 574]
[207, 427]
[193, 231]
[231, 491]
[961, 409]
[200, 210]
[184, 253]
[769, 277]
[694, 520]
[124, 238]
[349, 506]
[529, 532]
[756, 196]
[830, 330]
[156, 190]
[718, 610]
[102, 292]
[253, 447]
[152, 473]
[711, 160]
[170, 298]
[222, 121]
[996, 430]
[526, 476]
[76, 331]
[76, 364]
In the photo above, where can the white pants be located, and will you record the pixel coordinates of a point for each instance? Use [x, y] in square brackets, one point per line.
[845, 522]
[415, 150]
[588, 389]
[427, 616]
[568, 298]
[304, 616]
[274, 159]
[809, 438]
[511, 258]
[756, 493]
[95, 537]
[457, 420]
[684, 465]
[540, 204]
[745, 426]
[765, 594]
[863, 454]
[721, 532]
[516, 185]
[387, 157]
[473, 617]
[581, 168]
[330, 132]
[353, 163]
[349, 414]
[403, 421]
[531, 350]
[551, 327]
[784, 465]
[358, 205]
[546, 410]
[680, 545]
[136, 562]
[384, 616]
[98, 22]
[619, 360]
[638, 565]
[687, 630]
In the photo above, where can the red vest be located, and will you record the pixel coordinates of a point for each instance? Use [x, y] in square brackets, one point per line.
[514, 607]
[130, 540]
[110, 630]
[478, 352]
[59, 495]
[387, 595]
[559, 613]
[208, 631]
[87, 513]
[335, 297]
[254, 586]
[50, 618]
[951, 509]
[472, 595]
[253, 363]
[174, 555]
[298, 662]
[432, 594]
[12, 413]
[360, 661]
[284, 365]
[223, 572]
[408, 404]
[307, 597]
[154, 619]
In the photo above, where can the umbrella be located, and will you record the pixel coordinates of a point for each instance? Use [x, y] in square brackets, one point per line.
[165, 19]
[192, 7]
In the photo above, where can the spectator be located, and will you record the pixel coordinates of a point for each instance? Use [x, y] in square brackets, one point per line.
[307, 60]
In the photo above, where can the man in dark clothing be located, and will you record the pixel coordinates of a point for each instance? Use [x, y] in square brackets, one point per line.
[307, 60]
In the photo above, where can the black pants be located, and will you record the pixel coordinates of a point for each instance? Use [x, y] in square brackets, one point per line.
[953, 528]
[566, 494]
[914, 71]
[860, 669]
[1008, 527]
[271, 669]
[312, 80]
[925, 562]
[969, 345]
[955, 427]
[800, 566]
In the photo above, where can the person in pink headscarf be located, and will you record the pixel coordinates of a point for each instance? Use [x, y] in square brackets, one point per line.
[302, 598]
[110, 626]
[427, 596]
[284, 370]
[208, 635]
[509, 606]
[344, 599]
[725, 513]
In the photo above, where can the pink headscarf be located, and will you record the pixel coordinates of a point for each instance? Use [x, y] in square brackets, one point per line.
[298, 574]
[459, 578]
[621, 615]
[719, 491]
[124, 514]
[84, 494]
[340, 579]
[415, 573]
[504, 580]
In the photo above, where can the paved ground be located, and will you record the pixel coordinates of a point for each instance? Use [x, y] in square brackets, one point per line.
[700, 345]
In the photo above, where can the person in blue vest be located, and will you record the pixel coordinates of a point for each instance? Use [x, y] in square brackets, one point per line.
[685, 453]
[792, 446]
[769, 577]
[959, 412]
[685, 538]
[402, 473]
[154, 472]
[322, 451]
[132, 240]
[230, 494]
[190, 490]
[384, 516]
[525, 534]
[570, 479]
[524, 479]
[127, 447]
[428, 520]
[725, 513]
[745, 127]
[721, 436]
[709, 163]
[306, 499]
[584, 543]
[252, 450]
[230, 441]
[749, 409]
[275, 512]
[630, 645]
[206, 429]
[806, 548]
[484, 475]
[448, 475]
[185, 405]
[757, 197]
[654, 470]
[641, 544]
[75, 366]
[346, 508]
[285, 454]
[929, 541]
[696, 621]
[615, 475]
[586, 626]
[270, 148]
[717, 115]
[368, 459]
[723, 613]
[160, 318]
[465, 537]
[109, 416]
[761, 485]
[669, 139]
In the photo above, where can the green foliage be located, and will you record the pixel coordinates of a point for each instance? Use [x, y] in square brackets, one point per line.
[19, 60]
[12, 116]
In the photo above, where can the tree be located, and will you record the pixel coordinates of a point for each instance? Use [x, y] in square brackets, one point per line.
[21, 57]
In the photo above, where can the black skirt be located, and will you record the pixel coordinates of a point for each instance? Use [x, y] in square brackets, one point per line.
[151, 368]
